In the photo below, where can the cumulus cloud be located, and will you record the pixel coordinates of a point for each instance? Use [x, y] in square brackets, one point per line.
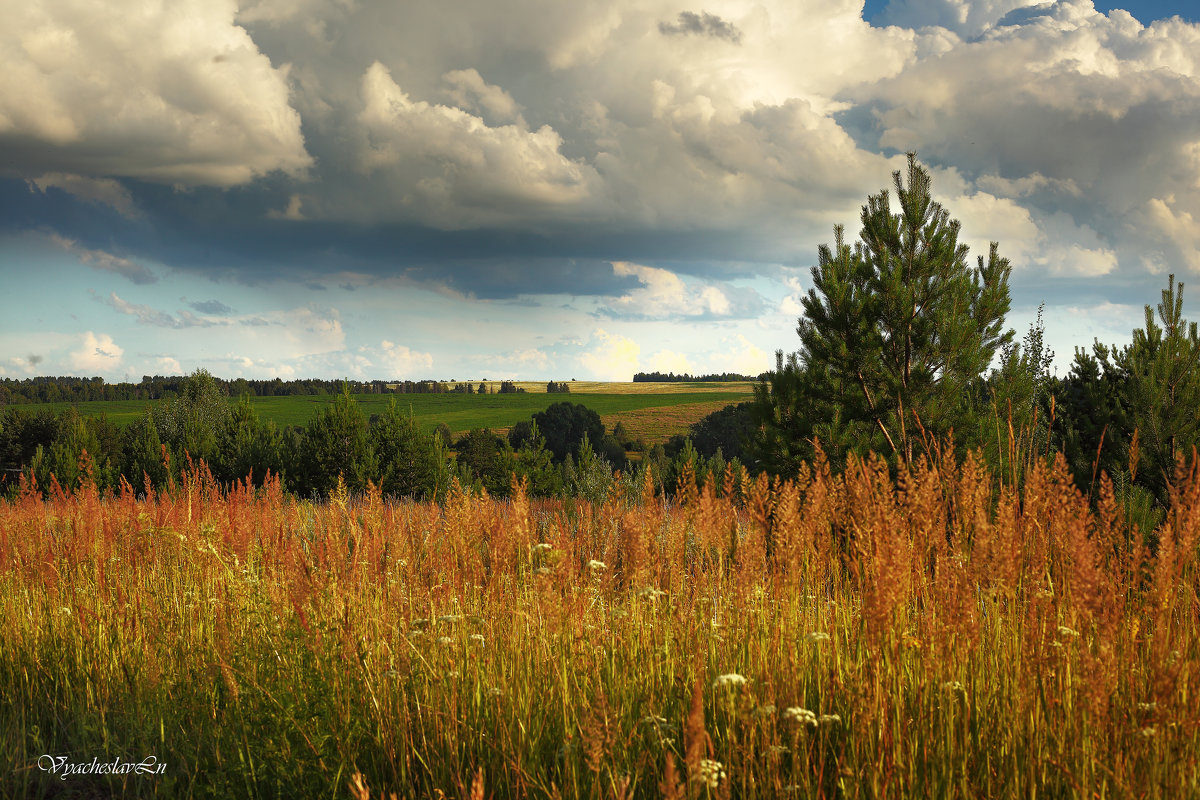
[663, 294]
[97, 355]
[612, 357]
[964, 17]
[704, 24]
[456, 162]
[738, 354]
[99, 191]
[106, 262]
[169, 92]
[670, 361]
[403, 362]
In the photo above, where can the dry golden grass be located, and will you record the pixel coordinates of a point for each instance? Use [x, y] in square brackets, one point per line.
[835, 636]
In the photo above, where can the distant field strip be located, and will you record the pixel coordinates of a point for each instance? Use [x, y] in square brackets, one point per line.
[674, 409]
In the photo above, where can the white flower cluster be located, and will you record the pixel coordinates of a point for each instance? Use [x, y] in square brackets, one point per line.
[595, 565]
[542, 547]
[954, 687]
[1064, 631]
[729, 681]
[710, 773]
[830, 719]
[816, 637]
[801, 715]
[477, 638]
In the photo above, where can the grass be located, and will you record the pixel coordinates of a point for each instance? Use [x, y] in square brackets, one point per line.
[463, 412]
[835, 637]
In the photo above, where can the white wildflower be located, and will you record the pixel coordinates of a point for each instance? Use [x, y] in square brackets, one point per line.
[450, 619]
[1064, 631]
[764, 711]
[954, 686]
[65, 611]
[816, 637]
[476, 638]
[830, 719]
[654, 719]
[445, 640]
[710, 773]
[420, 622]
[595, 565]
[493, 692]
[1150, 732]
[729, 681]
[801, 715]
[542, 547]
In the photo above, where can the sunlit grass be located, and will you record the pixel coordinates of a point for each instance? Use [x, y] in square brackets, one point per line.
[819, 639]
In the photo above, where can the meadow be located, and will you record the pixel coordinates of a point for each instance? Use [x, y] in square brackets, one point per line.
[680, 405]
[852, 635]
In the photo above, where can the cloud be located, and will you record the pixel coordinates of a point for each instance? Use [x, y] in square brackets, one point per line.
[452, 163]
[174, 93]
[98, 355]
[106, 262]
[669, 361]
[207, 306]
[966, 18]
[100, 191]
[168, 365]
[524, 360]
[663, 294]
[152, 316]
[742, 356]
[612, 357]
[403, 362]
[704, 24]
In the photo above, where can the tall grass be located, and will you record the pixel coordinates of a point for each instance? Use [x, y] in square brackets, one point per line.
[836, 636]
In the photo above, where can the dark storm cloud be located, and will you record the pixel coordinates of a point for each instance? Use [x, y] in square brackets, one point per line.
[704, 24]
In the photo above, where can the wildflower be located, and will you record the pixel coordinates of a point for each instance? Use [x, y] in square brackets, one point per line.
[729, 681]
[1148, 707]
[955, 687]
[476, 638]
[1150, 732]
[420, 622]
[801, 716]
[710, 773]
[65, 610]
[816, 637]
[1064, 631]
[493, 691]
[779, 750]
[542, 547]
[450, 619]
[654, 719]
[445, 640]
[594, 565]
[764, 711]
[830, 719]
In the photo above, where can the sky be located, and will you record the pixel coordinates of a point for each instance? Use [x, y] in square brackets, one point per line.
[543, 190]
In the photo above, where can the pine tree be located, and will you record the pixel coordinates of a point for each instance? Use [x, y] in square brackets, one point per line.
[895, 330]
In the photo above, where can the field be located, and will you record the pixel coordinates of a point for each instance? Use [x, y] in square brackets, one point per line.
[836, 637]
[655, 411]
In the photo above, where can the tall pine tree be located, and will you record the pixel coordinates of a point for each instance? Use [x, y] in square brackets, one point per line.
[894, 331]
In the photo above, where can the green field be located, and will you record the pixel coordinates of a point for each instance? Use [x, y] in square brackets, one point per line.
[636, 403]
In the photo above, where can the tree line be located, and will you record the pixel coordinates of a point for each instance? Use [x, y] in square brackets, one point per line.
[671, 377]
[902, 353]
